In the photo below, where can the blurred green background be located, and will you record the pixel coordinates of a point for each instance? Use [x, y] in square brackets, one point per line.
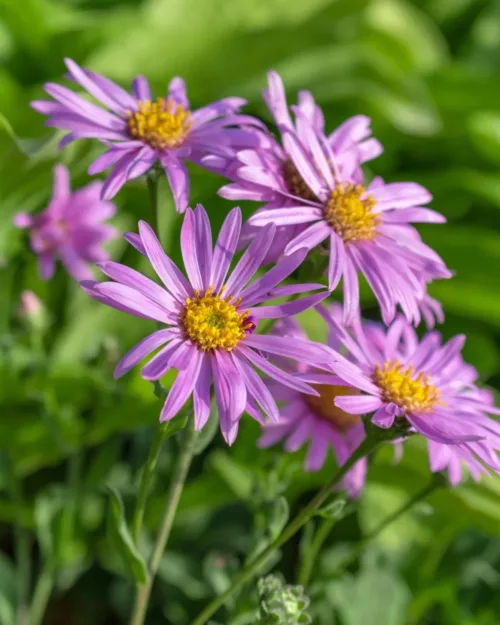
[428, 73]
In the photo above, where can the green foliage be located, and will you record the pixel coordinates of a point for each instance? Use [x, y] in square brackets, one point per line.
[119, 533]
[282, 604]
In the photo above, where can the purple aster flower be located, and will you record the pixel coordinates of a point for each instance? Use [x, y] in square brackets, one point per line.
[211, 318]
[140, 131]
[315, 418]
[71, 228]
[271, 176]
[442, 457]
[317, 197]
[424, 382]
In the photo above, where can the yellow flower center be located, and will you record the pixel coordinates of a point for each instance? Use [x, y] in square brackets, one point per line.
[324, 407]
[400, 386]
[160, 124]
[212, 322]
[295, 183]
[351, 217]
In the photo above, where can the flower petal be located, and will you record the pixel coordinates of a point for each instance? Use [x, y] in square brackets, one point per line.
[182, 387]
[141, 350]
[165, 268]
[225, 247]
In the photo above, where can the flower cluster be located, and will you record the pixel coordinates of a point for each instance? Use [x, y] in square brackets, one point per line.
[216, 324]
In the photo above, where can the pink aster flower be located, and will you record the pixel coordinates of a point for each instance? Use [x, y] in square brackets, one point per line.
[71, 228]
[316, 419]
[140, 131]
[318, 198]
[271, 176]
[424, 382]
[211, 320]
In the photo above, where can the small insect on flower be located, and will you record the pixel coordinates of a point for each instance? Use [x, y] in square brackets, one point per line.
[316, 418]
[425, 383]
[270, 175]
[212, 319]
[141, 131]
[71, 228]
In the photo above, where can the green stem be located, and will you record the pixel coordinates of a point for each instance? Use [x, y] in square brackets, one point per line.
[253, 567]
[180, 473]
[41, 596]
[435, 483]
[23, 559]
[147, 476]
[309, 559]
[152, 182]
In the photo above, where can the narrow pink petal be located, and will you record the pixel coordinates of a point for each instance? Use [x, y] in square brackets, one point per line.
[400, 195]
[257, 389]
[133, 300]
[336, 262]
[160, 363]
[165, 268]
[89, 84]
[225, 247]
[130, 277]
[201, 394]
[250, 261]
[140, 89]
[310, 237]
[141, 350]
[358, 404]
[293, 382]
[189, 250]
[182, 387]
[178, 179]
[287, 216]
[288, 308]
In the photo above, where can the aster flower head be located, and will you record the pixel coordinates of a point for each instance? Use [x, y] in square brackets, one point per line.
[423, 384]
[71, 228]
[211, 319]
[317, 197]
[140, 131]
[315, 418]
[271, 176]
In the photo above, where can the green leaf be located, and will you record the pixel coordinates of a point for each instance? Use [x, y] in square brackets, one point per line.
[484, 128]
[278, 517]
[364, 598]
[102, 462]
[8, 593]
[118, 531]
[237, 476]
[333, 510]
[29, 147]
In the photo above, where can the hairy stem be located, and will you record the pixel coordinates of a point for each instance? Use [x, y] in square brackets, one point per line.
[146, 478]
[309, 559]
[41, 595]
[180, 473]
[253, 567]
[152, 182]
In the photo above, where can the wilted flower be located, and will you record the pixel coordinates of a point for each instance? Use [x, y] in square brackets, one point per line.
[212, 320]
[423, 382]
[316, 419]
[270, 176]
[140, 131]
[71, 228]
